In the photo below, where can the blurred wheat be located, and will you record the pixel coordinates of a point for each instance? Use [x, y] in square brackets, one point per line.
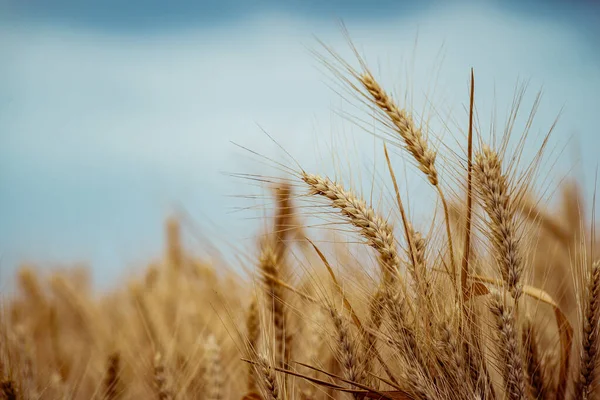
[512, 313]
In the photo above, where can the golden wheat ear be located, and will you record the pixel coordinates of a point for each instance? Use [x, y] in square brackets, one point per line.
[214, 374]
[585, 385]
[416, 144]
[269, 385]
[511, 360]
[377, 231]
[347, 349]
[495, 193]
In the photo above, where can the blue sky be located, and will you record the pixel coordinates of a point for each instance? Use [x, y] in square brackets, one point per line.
[113, 113]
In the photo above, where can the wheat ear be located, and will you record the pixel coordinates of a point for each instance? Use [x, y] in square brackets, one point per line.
[213, 373]
[271, 387]
[589, 338]
[376, 310]
[495, 194]
[378, 232]
[346, 349]
[414, 142]
[511, 360]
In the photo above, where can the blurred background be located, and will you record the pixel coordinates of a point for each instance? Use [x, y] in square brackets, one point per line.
[113, 114]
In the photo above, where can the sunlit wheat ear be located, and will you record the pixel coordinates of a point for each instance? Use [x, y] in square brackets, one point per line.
[414, 142]
[8, 390]
[413, 137]
[378, 232]
[420, 274]
[214, 378]
[586, 385]
[347, 349]
[511, 360]
[160, 379]
[269, 381]
[493, 189]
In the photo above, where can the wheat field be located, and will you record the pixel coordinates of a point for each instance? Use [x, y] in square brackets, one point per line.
[500, 299]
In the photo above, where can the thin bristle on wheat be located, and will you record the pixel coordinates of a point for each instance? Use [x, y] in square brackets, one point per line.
[590, 336]
[494, 192]
[511, 360]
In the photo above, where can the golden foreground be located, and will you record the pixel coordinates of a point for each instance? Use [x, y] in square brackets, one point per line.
[500, 299]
